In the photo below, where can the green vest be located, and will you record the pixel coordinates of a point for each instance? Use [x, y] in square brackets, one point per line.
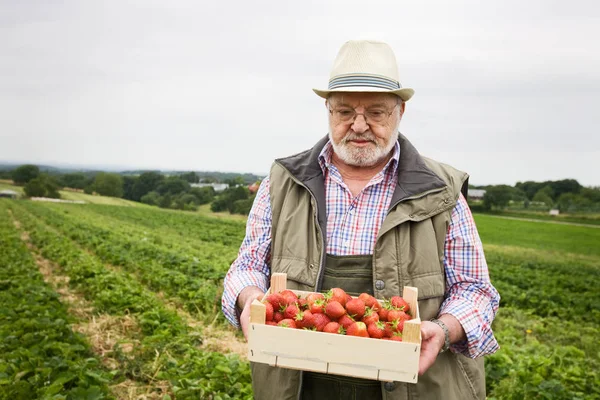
[409, 251]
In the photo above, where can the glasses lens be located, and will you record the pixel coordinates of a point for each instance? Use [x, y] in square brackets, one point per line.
[375, 115]
[344, 114]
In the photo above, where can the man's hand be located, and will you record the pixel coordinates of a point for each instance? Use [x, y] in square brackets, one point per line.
[245, 299]
[432, 336]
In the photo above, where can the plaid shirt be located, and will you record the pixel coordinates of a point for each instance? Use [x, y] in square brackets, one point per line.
[352, 227]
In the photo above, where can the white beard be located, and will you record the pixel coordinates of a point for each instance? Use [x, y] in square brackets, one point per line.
[362, 156]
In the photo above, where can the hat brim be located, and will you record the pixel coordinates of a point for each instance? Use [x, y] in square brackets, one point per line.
[405, 93]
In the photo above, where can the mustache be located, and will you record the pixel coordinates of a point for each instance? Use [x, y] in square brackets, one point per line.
[363, 136]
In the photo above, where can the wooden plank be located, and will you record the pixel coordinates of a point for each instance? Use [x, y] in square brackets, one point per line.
[258, 312]
[412, 331]
[278, 282]
[411, 294]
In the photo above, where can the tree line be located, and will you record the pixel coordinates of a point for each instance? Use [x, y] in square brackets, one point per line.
[566, 195]
[149, 187]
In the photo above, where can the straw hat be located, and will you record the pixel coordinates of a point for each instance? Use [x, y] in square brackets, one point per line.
[365, 66]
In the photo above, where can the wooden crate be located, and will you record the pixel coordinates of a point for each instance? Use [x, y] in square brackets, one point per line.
[377, 359]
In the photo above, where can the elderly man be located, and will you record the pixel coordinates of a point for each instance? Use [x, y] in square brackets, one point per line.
[364, 211]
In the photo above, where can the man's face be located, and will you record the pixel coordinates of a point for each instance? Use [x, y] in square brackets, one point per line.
[358, 141]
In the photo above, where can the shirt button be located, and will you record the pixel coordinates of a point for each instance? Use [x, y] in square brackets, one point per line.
[379, 284]
[347, 243]
[389, 386]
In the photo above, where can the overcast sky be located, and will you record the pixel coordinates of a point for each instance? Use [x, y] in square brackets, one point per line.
[508, 91]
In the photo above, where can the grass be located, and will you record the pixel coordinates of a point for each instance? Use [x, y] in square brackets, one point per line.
[88, 198]
[205, 210]
[551, 238]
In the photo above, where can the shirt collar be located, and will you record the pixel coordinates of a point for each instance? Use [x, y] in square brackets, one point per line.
[390, 168]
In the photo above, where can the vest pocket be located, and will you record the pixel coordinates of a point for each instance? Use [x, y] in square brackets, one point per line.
[301, 275]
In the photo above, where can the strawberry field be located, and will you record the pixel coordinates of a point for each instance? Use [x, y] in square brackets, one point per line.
[103, 301]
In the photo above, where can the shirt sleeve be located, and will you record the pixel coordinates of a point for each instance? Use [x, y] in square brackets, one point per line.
[251, 267]
[470, 296]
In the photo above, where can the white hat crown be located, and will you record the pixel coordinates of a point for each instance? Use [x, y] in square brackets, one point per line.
[365, 66]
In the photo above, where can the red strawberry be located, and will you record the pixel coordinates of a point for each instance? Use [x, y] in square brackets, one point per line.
[276, 300]
[312, 297]
[272, 323]
[287, 323]
[356, 308]
[291, 311]
[277, 316]
[383, 312]
[394, 315]
[357, 329]
[303, 304]
[333, 327]
[318, 306]
[388, 330]
[370, 301]
[370, 316]
[398, 325]
[397, 337]
[269, 311]
[334, 309]
[348, 298]
[320, 321]
[305, 319]
[336, 294]
[376, 330]
[346, 320]
[400, 303]
[289, 296]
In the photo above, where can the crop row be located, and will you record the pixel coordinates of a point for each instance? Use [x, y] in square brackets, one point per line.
[191, 277]
[40, 355]
[168, 349]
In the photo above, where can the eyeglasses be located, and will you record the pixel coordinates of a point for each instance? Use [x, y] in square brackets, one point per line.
[347, 114]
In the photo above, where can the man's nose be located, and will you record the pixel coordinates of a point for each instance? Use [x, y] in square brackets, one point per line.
[360, 124]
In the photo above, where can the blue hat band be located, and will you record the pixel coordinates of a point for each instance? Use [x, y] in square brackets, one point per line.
[363, 80]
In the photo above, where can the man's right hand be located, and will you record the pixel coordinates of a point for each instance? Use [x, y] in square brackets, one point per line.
[245, 299]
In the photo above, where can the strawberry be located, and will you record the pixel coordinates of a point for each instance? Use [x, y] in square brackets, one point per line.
[287, 323]
[336, 294]
[312, 297]
[357, 329]
[400, 303]
[397, 337]
[318, 306]
[376, 330]
[388, 330]
[320, 320]
[370, 316]
[398, 325]
[272, 323]
[289, 297]
[277, 316]
[333, 327]
[383, 311]
[370, 301]
[291, 311]
[305, 319]
[269, 310]
[302, 304]
[346, 320]
[394, 315]
[356, 308]
[348, 298]
[276, 300]
[334, 309]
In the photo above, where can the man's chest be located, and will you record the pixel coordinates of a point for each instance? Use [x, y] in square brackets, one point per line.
[353, 221]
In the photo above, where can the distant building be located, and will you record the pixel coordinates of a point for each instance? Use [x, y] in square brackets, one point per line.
[476, 194]
[11, 194]
[554, 212]
[219, 187]
[254, 187]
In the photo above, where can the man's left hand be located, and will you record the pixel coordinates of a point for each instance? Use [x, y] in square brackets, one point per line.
[432, 336]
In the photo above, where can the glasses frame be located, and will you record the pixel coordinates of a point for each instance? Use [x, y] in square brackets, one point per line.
[353, 118]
